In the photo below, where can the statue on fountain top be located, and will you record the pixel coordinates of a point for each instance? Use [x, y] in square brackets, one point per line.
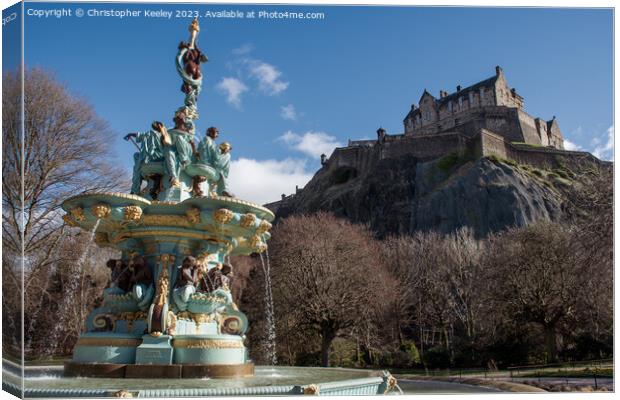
[171, 152]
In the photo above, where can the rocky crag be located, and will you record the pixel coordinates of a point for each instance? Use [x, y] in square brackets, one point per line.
[401, 195]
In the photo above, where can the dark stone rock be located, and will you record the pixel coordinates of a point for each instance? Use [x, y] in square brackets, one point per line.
[403, 195]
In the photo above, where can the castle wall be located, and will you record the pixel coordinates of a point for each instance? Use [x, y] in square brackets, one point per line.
[540, 157]
[528, 127]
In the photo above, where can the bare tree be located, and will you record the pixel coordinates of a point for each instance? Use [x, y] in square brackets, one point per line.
[61, 151]
[537, 276]
[327, 275]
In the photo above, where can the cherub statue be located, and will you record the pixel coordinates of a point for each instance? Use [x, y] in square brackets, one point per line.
[218, 159]
[119, 275]
[218, 277]
[186, 282]
[150, 149]
[141, 281]
[222, 166]
[178, 144]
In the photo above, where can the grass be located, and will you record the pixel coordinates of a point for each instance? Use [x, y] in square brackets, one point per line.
[496, 159]
[447, 162]
[529, 145]
[575, 373]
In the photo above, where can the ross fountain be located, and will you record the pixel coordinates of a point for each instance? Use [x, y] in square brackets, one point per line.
[168, 320]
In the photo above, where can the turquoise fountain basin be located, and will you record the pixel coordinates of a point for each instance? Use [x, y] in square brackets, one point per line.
[49, 382]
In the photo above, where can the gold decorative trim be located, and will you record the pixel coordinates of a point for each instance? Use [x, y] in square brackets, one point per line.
[92, 341]
[391, 383]
[197, 318]
[312, 390]
[68, 220]
[234, 200]
[163, 203]
[207, 344]
[193, 215]
[263, 227]
[223, 215]
[149, 233]
[101, 210]
[247, 220]
[257, 244]
[133, 213]
[170, 220]
[123, 393]
[161, 296]
[78, 214]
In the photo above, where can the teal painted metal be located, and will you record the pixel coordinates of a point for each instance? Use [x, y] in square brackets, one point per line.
[105, 347]
[155, 350]
[350, 387]
[209, 350]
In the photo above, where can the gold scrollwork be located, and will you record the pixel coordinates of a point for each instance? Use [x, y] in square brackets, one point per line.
[207, 344]
[101, 210]
[133, 213]
[131, 317]
[193, 215]
[247, 220]
[223, 215]
[78, 214]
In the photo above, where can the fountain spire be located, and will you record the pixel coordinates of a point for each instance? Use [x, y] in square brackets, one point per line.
[188, 60]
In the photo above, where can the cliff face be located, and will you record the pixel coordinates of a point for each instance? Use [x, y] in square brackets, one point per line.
[403, 195]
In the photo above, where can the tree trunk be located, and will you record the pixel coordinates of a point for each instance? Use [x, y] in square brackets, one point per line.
[550, 343]
[325, 345]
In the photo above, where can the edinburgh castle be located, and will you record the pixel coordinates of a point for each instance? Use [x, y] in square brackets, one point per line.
[486, 120]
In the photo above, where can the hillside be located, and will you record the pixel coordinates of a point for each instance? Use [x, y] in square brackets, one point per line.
[404, 195]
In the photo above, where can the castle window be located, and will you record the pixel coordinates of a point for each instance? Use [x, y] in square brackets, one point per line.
[450, 106]
[460, 102]
[481, 93]
[471, 99]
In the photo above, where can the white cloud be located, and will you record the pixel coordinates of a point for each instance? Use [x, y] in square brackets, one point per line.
[268, 77]
[244, 49]
[263, 181]
[568, 145]
[311, 143]
[604, 149]
[233, 88]
[288, 112]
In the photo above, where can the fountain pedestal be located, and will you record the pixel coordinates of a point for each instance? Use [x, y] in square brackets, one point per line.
[155, 350]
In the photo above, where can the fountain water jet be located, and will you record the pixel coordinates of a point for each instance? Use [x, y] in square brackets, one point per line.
[73, 286]
[269, 310]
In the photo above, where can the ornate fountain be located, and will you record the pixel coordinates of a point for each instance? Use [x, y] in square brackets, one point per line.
[168, 311]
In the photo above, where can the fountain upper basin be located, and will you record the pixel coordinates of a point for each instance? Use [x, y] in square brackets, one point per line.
[240, 226]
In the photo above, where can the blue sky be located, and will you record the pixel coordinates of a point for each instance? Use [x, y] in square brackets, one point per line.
[283, 91]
